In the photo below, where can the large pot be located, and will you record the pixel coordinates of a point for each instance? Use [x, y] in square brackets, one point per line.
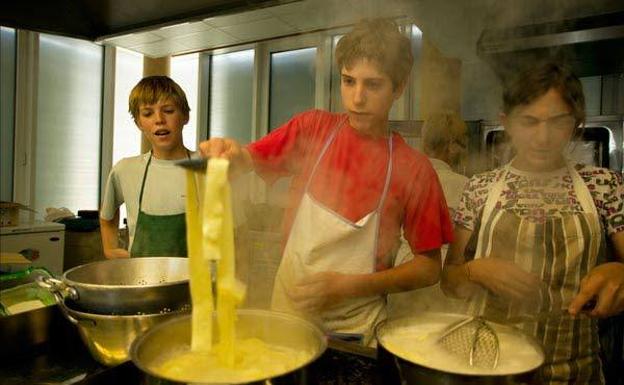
[271, 327]
[109, 337]
[408, 354]
[125, 286]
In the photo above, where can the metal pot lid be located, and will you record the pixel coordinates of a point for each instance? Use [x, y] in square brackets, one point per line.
[414, 339]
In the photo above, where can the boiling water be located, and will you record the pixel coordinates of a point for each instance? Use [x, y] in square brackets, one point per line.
[418, 344]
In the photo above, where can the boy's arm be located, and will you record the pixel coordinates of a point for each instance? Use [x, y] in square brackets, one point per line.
[110, 230]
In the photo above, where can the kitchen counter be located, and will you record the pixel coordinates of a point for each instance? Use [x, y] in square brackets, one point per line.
[58, 356]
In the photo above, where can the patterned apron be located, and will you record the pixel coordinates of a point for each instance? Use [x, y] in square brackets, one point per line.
[321, 240]
[158, 235]
[561, 250]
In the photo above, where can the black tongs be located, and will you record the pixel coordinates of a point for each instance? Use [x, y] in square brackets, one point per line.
[195, 164]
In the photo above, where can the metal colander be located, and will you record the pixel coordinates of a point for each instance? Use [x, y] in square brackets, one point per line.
[127, 286]
[472, 340]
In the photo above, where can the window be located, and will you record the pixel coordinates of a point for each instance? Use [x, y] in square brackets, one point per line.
[126, 135]
[335, 100]
[7, 111]
[293, 76]
[69, 113]
[231, 95]
[185, 72]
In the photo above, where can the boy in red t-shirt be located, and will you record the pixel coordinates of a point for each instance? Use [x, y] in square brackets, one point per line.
[355, 186]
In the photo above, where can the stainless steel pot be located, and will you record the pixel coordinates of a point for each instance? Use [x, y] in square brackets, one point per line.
[416, 369]
[271, 327]
[109, 337]
[125, 286]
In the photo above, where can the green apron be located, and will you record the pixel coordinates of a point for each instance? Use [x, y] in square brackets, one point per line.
[158, 235]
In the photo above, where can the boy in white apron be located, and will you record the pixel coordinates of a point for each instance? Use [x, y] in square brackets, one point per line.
[356, 187]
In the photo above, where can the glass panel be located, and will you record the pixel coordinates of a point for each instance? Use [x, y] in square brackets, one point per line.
[126, 135]
[185, 72]
[335, 101]
[231, 95]
[592, 88]
[292, 84]
[68, 124]
[7, 111]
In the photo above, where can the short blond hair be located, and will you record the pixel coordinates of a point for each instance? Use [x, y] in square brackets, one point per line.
[152, 89]
[380, 41]
[442, 128]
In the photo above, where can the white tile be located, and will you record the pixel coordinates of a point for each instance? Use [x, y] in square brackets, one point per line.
[296, 7]
[317, 14]
[182, 29]
[206, 39]
[238, 18]
[161, 48]
[260, 29]
[134, 39]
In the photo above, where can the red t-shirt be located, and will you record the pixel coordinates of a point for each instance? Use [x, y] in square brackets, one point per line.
[350, 179]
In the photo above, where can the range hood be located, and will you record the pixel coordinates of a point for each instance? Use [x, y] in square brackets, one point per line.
[95, 19]
[591, 45]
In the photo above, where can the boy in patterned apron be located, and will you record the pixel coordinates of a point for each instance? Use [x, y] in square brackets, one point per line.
[356, 186]
[151, 185]
[528, 235]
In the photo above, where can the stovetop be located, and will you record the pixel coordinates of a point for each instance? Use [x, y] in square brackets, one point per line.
[62, 358]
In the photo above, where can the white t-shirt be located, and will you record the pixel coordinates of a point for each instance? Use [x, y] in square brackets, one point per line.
[452, 183]
[164, 193]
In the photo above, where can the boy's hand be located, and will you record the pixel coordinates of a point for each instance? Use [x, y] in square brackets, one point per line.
[605, 282]
[239, 157]
[321, 291]
[220, 148]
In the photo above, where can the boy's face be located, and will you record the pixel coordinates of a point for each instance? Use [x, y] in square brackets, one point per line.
[162, 124]
[367, 96]
[540, 132]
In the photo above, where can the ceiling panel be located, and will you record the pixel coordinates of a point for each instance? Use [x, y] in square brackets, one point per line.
[182, 29]
[260, 29]
[240, 18]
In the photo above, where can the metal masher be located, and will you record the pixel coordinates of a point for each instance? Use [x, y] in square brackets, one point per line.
[473, 340]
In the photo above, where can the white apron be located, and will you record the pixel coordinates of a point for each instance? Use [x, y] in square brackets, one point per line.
[321, 240]
[561, 251]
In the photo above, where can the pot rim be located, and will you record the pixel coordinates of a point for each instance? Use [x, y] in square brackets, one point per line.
[530, 339]
[181, 318]
[99, 286]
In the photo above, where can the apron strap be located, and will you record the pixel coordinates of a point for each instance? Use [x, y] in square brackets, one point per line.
[149, 160]
[330, 140]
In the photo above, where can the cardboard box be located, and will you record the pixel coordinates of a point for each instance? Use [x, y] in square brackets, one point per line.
[9, 213]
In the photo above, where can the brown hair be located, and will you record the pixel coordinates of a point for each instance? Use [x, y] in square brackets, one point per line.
[378, 40]
[442, 128]
[534, 82]
[152, 89]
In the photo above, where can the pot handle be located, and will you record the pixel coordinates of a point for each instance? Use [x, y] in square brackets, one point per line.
[76, 321]
[59, 288]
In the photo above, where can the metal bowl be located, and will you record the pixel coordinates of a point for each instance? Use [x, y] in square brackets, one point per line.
[109, 337]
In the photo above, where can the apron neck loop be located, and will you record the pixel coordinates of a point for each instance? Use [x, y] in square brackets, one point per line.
[330, 140]
[149, 160]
